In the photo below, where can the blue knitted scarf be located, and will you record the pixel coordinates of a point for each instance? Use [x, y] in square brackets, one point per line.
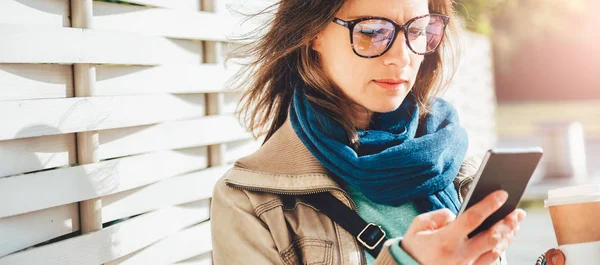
[400, 159]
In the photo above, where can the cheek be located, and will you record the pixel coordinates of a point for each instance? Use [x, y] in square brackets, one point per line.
[340, 63]
[415, 64]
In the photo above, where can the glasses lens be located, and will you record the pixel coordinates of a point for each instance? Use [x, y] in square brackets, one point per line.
[425, 34]
[371, 37]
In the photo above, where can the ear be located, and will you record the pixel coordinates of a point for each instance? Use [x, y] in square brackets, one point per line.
[317, 43]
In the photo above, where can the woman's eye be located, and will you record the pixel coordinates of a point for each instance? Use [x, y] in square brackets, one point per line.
[384, 31]
[373, 31]
[416, 32]
[367, 31]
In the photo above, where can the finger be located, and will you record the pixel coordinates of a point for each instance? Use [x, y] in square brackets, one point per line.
[555, 257]
[431, 221]
[497, 237]
[514, 219]
[511, 220]
[488, 257]
[520, 214]
[474, 216]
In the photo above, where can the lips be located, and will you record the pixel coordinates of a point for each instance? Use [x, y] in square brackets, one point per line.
[393, 84]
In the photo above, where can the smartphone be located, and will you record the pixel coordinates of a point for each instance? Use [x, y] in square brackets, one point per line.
[508, 169]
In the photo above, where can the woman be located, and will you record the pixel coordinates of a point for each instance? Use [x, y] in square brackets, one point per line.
[345, 92]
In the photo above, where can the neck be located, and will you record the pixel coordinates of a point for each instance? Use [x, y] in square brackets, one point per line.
[362, 118]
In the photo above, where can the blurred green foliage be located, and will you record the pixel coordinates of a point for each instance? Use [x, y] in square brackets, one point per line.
[479, 14]
[111, 1]
[531, 16]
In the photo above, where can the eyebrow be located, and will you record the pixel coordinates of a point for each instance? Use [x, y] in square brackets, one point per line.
[363, 16]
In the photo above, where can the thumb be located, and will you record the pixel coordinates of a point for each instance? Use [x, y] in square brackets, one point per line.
[555, 257]
[431, 221]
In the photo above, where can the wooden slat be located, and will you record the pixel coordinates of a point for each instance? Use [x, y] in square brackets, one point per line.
[221, 6]
[189, 5]
[204, 259]
[25, 230]
[230, 102]
[221, 50]
[47, 13]
[32, 154]
[66, 185]
[115, 241]
[126, 80]
[171, 135]
[172, 191]
[162, 22]
[35, 81]
[21, 44]
[183, 245]
[250, 7]
[238, 149]
[30, 118]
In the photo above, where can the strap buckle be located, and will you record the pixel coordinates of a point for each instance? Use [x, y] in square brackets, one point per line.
[373, 234]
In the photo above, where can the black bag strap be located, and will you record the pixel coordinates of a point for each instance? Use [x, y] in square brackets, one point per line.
[370, 235]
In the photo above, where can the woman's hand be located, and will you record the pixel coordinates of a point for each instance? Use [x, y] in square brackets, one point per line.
[439, 237]
[555, 257]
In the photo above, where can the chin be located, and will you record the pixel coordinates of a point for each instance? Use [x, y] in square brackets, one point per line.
[385, 104]
[383, 107]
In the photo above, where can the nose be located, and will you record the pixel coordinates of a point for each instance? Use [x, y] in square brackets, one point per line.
[399, 53]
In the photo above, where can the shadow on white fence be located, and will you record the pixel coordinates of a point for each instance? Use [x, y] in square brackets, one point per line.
[115, 125]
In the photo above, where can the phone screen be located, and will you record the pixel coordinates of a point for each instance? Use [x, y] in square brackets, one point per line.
[502, 169]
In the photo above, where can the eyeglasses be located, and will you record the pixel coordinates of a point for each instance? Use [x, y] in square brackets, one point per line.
[371, 37]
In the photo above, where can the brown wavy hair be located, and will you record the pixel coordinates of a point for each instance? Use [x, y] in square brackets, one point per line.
[282, 57]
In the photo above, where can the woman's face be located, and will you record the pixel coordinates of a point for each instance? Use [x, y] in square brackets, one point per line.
[378, 84]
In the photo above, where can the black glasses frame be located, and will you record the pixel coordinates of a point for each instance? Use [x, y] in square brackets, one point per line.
[397, 27]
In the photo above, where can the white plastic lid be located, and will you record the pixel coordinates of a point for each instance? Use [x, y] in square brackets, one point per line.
[573, 195]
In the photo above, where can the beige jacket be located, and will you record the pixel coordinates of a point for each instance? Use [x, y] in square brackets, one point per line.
[255, 219]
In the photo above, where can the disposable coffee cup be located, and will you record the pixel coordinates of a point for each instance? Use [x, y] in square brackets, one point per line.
[575, 213]
[582, 253]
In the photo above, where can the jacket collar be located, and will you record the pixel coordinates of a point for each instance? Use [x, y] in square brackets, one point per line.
[281, 165]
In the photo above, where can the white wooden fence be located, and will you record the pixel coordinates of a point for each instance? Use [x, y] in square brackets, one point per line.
[110, 111]
[115, 126]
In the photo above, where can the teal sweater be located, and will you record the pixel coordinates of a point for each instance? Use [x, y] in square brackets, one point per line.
[394, 221]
